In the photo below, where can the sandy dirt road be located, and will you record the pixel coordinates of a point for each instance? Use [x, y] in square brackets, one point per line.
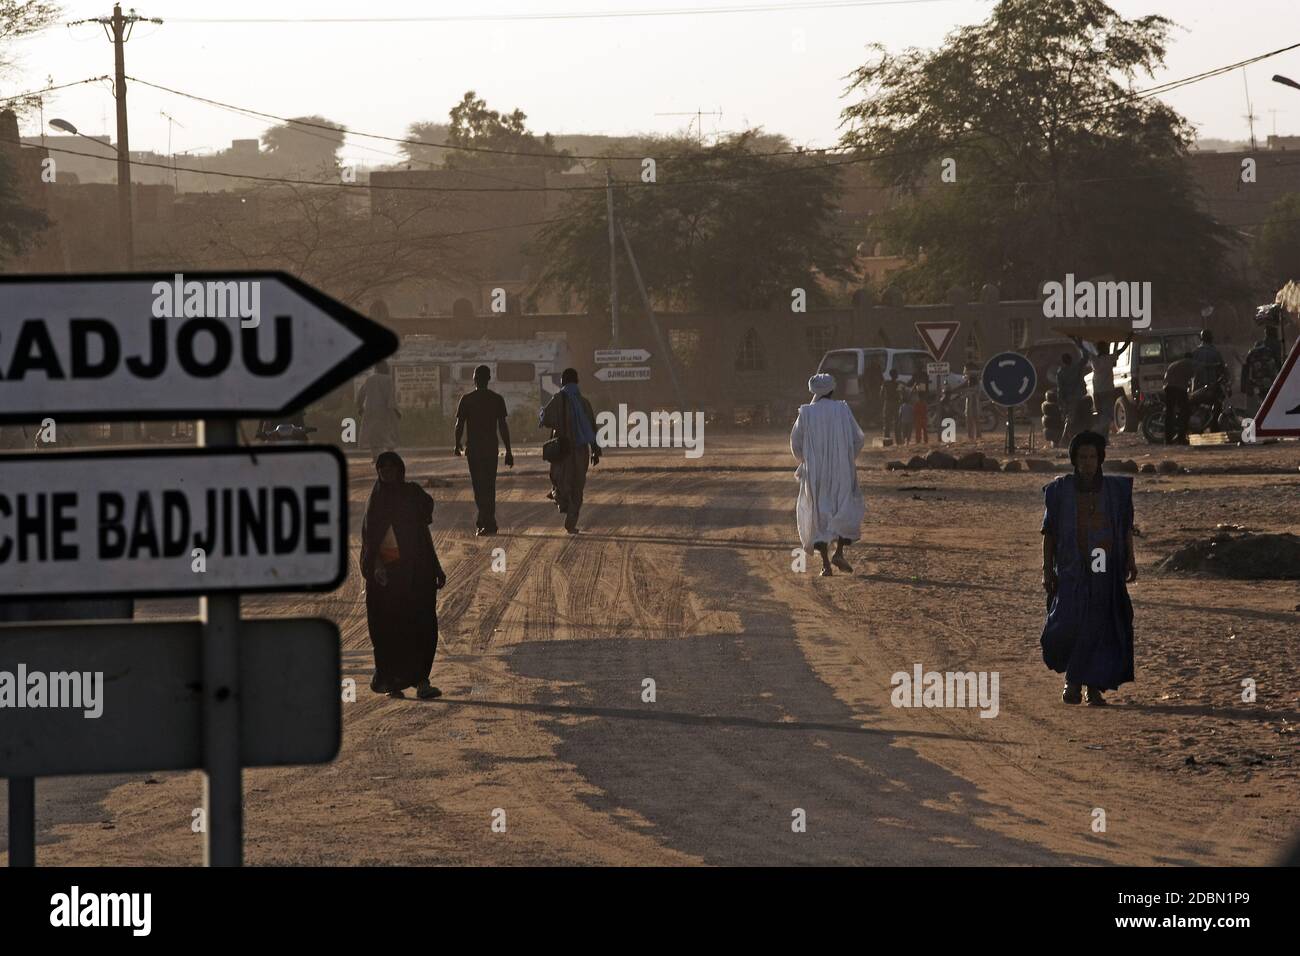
[772, 688]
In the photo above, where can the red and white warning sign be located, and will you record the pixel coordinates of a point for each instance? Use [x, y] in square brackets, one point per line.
[1279, 415]
[937, 337]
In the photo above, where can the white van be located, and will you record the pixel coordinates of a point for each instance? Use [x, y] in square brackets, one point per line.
[848, 365]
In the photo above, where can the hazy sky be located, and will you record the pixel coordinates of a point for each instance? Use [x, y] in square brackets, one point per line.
[779, 69]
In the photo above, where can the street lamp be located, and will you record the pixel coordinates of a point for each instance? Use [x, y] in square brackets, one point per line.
[1285, 81]
[125, 225]
[65, 126]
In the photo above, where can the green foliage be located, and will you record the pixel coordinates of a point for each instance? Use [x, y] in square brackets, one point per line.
[723, 227]
[20, 224]
[1059, 167]
[1276, 254]
[305, 150]
[433, 134]
[473, 124]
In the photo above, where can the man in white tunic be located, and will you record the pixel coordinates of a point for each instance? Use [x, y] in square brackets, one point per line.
[826, 440]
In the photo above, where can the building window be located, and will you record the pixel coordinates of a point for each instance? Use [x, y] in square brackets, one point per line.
[749, 357]
[820, 339]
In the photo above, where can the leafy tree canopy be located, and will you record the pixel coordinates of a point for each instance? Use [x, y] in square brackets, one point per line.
[722, 227]
[473, 124]
[1059, 166]
[1276, 254]
[306, 150]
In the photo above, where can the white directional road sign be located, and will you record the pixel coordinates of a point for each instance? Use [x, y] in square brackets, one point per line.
[123, 697]
[626, 374]
[1279, 414]
[615, 356]
[183, 521]
[201, 345]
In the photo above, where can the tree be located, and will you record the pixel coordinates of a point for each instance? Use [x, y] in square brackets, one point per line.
[1059, 167]
[20, 224]
[325, 236]
[473, 124]
[1276, 254]
[724, 227]
[433, 134]
[306, 150]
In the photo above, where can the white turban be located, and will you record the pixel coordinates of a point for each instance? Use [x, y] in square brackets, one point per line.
[821, 384]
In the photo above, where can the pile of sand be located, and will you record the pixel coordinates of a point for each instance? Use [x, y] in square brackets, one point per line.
[1246, 556]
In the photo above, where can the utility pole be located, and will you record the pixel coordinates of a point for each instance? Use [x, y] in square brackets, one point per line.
[118, 28]
[613, 262]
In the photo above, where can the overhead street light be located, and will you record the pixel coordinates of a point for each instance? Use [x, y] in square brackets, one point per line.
[65, 126]
[1285, 81]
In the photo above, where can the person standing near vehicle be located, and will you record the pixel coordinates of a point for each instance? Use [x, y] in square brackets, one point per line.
[571, 419]
[1069, 391]
[1104, 393]
[869, 384]
[1261, 366]
[890, 398]
[1178, 379]
[480, 415]
[921, 413]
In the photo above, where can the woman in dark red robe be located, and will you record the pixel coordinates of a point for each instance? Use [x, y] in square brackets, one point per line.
[402, 574]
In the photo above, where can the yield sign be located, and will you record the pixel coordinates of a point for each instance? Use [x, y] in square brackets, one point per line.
[937, 336]
[1279, 415]
[136, 346]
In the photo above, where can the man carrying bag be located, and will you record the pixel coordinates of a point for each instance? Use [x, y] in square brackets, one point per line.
[571, 446]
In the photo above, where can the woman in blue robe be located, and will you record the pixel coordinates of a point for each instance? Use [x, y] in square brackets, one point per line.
[1087, 563]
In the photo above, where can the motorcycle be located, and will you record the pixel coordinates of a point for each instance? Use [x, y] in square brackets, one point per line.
[283, 431]
[1202, 403]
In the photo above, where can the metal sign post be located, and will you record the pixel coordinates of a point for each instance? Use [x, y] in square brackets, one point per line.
[22, 821]
[215, 522]
[1009, 380]
[223, 794]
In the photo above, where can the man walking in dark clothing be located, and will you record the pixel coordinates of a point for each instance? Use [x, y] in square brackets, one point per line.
[479, 416]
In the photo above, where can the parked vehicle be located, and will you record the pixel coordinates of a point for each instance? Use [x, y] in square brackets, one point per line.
[1140, 371]
[849, 365]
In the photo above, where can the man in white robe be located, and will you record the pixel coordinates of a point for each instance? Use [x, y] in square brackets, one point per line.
[377, 405]
[826, 440]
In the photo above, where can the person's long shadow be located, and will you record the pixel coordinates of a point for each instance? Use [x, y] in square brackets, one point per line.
[701, 720]
[742, 736]
[1207, 710]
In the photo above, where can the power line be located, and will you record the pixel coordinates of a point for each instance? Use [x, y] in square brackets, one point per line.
[1101, 106]
[51, 89]
[576, 15]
